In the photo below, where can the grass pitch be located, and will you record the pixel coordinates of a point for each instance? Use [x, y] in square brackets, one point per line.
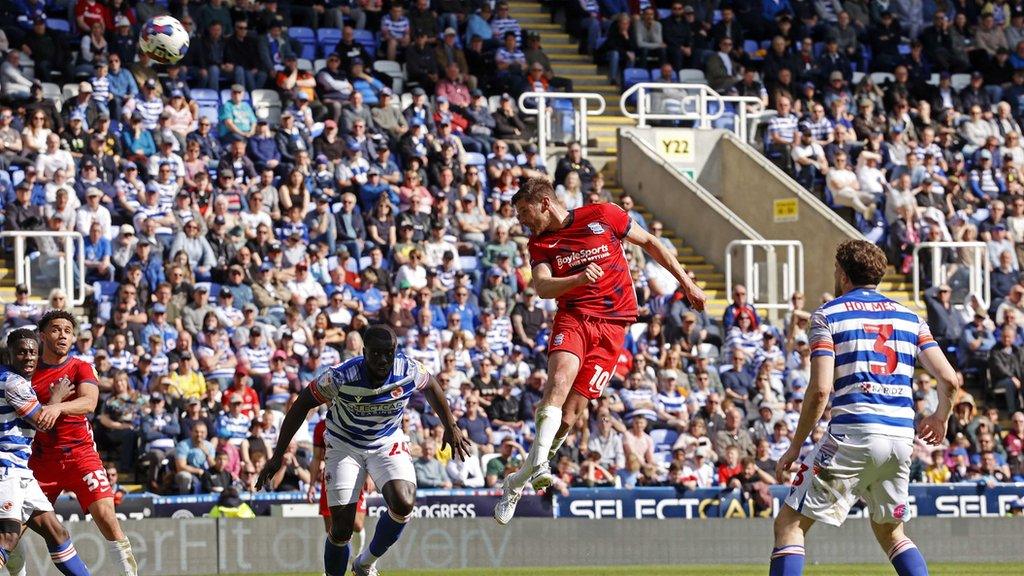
[720, 570]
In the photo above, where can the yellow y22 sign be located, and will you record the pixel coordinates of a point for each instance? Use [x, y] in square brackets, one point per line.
[675, 145]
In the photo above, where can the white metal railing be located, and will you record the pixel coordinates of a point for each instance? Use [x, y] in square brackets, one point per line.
[694, 102]
[777, 291]
[979, 282]
[72, 253]
[536, 103]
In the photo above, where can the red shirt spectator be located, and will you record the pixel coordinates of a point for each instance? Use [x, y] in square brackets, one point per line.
[88, 12]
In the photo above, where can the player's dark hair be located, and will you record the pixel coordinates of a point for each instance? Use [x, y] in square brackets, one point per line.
[52, 315]
[13, 337]
[862, 262]
[380, 336]
[533, 191]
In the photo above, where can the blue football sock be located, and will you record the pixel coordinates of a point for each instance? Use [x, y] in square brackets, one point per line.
[907, 559]
[67, 560]
[335, 558]
[787, 561]
[387, 532]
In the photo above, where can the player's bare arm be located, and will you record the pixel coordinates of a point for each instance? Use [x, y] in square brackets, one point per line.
[653, 247]
[815, 401]
[85, 403]
[932, 428]
[295, 417]
[549, 287]
[453, 435]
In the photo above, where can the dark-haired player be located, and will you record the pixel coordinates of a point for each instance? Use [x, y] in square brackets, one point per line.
[577, 258]
[21, 415]
[367, 396]
[65, 457]
[863, 351]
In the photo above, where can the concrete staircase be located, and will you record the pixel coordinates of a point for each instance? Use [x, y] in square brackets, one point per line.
[580, 68]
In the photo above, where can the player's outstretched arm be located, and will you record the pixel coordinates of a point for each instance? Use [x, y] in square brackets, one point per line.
[295, 417]
[453, 435]
[815, 401]
[547, 286]
[652, 246]
[932, 428]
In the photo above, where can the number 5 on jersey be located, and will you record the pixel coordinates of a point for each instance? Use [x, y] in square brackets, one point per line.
[599, 380]
[883, 333]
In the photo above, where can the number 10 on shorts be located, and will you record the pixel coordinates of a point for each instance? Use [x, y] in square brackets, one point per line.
[599, 380]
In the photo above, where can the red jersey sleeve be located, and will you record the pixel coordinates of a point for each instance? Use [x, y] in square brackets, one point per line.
[318, 434]
[617, 218]
[85, 373]
[538, 254]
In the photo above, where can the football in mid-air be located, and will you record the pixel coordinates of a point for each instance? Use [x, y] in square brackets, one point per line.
[164, 39]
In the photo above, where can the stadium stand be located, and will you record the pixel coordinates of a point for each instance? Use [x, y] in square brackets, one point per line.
[295, 179]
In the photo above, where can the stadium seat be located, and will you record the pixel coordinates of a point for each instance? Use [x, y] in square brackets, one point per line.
[69, 91]
[692, 76]
[367, 39]
[475, 159]
[934, 79]
[205, 95]
[857, 77]
[267, 104]
[392, 69]
[319, 64]
[307, 38]
[880, 78]
[305, 64]
[487, 458]
[752, 50]
[58, 25]
[327, 39]
[959, 81]
[52, 92]
[633, 76]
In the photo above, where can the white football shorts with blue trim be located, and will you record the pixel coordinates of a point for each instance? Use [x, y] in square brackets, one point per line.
[844, 468]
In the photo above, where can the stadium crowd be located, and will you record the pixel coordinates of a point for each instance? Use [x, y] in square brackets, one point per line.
[232, 255]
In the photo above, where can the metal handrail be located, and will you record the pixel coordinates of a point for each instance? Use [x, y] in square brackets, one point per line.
[792, 271]
[544, 123]
[980, 283]
[23, 265]
[703, 95]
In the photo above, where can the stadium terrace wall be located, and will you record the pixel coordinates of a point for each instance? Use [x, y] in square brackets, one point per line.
[204, 546]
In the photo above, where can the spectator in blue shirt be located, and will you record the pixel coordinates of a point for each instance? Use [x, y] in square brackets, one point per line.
[263, 150]
[192, 457]
[97, 255]
[975, 343]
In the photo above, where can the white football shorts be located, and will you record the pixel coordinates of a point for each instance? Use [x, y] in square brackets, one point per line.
[347, 467]
[846, 467]
[21, 497]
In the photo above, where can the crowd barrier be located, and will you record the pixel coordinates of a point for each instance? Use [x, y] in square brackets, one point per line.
[964, 500]
[206, 546]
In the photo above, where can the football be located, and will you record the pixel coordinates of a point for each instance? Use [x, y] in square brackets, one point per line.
[164, 39]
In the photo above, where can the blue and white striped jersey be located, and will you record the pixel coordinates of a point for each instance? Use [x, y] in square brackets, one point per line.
[362, 416]
[17, 401]
[875, 342]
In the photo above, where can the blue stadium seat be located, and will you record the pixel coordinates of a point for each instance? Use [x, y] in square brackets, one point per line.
[367, 39]
[751, 48]
[327, 39]
[202, 95]
[633, 76]
[307, 38]
[475, 159]
[58, 25]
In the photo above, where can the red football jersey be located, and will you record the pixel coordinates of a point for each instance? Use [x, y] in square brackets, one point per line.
[318, 434]
[69, 430]
[594, 233]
